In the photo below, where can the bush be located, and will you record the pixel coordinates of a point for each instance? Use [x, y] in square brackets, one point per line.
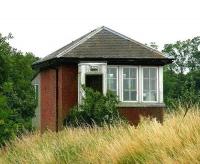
[95, 109]
[9, 126]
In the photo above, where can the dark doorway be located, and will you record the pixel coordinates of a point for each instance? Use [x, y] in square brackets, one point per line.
[94, 82]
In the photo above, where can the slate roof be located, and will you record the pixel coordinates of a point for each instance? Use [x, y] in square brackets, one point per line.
[104, 43]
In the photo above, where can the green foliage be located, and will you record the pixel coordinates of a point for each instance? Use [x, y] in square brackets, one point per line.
[182, 78]
[95, 109]
[186, 55]
[17, 101]
[9, 127]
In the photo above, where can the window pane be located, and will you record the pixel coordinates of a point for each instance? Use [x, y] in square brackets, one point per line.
[133, 84]
[125, 84]
[115, 92]
[125, 72]
[146, 84]
[146, 96]
[153, 96]
[146, 72]
[133, 73]
[36, 92]
[112, 73]
[129, 83]
[153, 73]
[149, 84]
[133, 95]
[153, 84]
[126, 95]
[112, 79]
[111, 84]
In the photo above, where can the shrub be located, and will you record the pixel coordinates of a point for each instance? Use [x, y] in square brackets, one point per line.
[9, 126]
[95, 109]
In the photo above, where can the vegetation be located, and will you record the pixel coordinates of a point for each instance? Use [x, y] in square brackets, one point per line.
[16, 93]
[182, 77]
[176, 141]
[17, 103]
[95, 109]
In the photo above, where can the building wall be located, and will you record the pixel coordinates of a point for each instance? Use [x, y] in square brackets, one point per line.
[48, 100]
[54, 111]
[133, 114]
[67, 90]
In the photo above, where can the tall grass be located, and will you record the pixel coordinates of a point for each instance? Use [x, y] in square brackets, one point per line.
[177, 140]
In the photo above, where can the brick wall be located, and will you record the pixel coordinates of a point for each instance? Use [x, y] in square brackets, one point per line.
[132, 114]
[68, 90]
[48, 99]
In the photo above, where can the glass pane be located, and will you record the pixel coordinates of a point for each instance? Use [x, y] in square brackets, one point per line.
[133, 95]
[146, 84]
[133, 72]
[36, 92]
[153, 96]
[125, 72]
[115, 92]
[126, 96]
[133, 84]
[112, 72]
[111, 84]
[146, 96]
[146, 72]
[153, 84]
[153, 73]
[125, 84]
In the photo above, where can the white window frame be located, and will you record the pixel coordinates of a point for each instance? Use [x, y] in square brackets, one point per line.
[137, 91]
[157, 84]
[117, 77]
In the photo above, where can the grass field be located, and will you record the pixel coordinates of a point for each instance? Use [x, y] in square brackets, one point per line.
[176, 141]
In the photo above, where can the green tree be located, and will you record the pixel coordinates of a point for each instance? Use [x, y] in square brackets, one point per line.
[185, 53]
[181, 78]
[17, 101]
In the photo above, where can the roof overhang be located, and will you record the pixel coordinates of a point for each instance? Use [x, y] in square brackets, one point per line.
[111, 61]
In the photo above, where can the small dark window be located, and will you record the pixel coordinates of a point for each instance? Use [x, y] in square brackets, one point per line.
[36, 88]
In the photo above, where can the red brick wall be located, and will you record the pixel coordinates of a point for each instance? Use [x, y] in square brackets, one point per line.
[67, 91]
[133, 113]
[48, 99]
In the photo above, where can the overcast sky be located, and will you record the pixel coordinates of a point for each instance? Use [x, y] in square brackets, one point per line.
[42, 26]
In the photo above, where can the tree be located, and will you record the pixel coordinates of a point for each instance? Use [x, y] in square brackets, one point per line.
[181, 78]
[17, 101]
[185, 53]
[153, 45]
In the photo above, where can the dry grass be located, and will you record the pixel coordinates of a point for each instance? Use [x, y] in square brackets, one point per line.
[176, 141]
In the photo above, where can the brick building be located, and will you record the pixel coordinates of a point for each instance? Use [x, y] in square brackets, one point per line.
[104, 60]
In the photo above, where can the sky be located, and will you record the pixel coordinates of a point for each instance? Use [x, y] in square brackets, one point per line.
[43, 26]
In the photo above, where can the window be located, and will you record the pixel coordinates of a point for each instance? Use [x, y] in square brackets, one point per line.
[129, 84]
[124, 81]
[36, 88]
[150, 84]
[112, 79]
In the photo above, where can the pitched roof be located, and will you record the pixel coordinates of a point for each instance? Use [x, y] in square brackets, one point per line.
[104, 43]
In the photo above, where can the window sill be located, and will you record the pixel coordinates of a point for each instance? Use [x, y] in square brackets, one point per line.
[137, 104]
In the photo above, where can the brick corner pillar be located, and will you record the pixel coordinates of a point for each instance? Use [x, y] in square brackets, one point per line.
[48, 100]
[67, 91]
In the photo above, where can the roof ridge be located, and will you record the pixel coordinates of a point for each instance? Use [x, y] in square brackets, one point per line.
[92, 33]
